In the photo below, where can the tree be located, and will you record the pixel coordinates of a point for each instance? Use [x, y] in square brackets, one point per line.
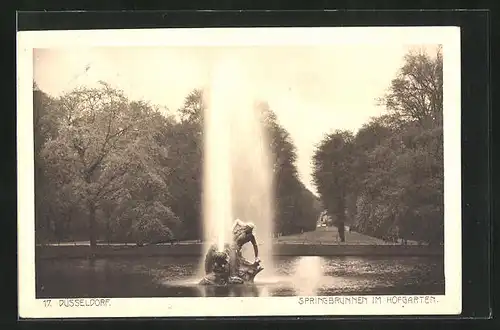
[115, 169]
[332, 175]
[295, 209]
[104, 150]
[193, 109]
[389, 176]
[416, 94]
[401, 191]
[45, 122]
[185, 160]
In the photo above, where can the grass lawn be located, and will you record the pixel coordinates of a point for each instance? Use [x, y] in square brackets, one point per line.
[329, 235]
[322, 235]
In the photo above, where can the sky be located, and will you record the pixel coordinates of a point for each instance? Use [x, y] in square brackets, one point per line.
[313, 90]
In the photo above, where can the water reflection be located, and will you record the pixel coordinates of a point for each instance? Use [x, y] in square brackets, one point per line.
[230, 291]
[307, 275]
[178, 277]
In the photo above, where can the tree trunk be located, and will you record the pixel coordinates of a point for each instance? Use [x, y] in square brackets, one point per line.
[341, 218]
[108, 231]
[341, 228]
[92, 225]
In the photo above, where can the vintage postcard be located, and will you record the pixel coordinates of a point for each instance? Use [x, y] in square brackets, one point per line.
[239, 172]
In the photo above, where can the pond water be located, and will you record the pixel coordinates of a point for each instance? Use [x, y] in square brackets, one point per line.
[290, 276]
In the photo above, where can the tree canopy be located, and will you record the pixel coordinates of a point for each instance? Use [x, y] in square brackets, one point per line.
[114, 169]
[387, 179]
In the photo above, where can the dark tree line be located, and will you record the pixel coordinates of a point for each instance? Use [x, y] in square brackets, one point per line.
[387, 179]
[297, 209]
[113, 169]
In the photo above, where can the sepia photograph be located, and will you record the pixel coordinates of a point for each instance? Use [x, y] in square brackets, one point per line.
[313, 168]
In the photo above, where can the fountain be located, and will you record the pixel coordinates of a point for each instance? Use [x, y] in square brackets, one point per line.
[237, 168]
[217, 197]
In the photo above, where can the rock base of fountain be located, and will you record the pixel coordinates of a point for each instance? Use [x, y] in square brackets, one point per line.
[218, 265]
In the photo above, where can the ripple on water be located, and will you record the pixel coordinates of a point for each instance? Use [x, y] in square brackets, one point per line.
[167, 277]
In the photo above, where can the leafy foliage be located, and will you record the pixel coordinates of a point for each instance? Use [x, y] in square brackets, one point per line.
[332, 162]
[388, 178]
[104, 157]
[297, 208]
[108, 168]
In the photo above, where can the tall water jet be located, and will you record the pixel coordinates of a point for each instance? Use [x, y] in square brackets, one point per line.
[252, 179]
[238, 170]
[217, 201]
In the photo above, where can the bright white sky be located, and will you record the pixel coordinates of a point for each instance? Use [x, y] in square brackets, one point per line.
[313, 89]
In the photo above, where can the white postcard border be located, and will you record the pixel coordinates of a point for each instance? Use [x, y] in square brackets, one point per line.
[449, 37]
